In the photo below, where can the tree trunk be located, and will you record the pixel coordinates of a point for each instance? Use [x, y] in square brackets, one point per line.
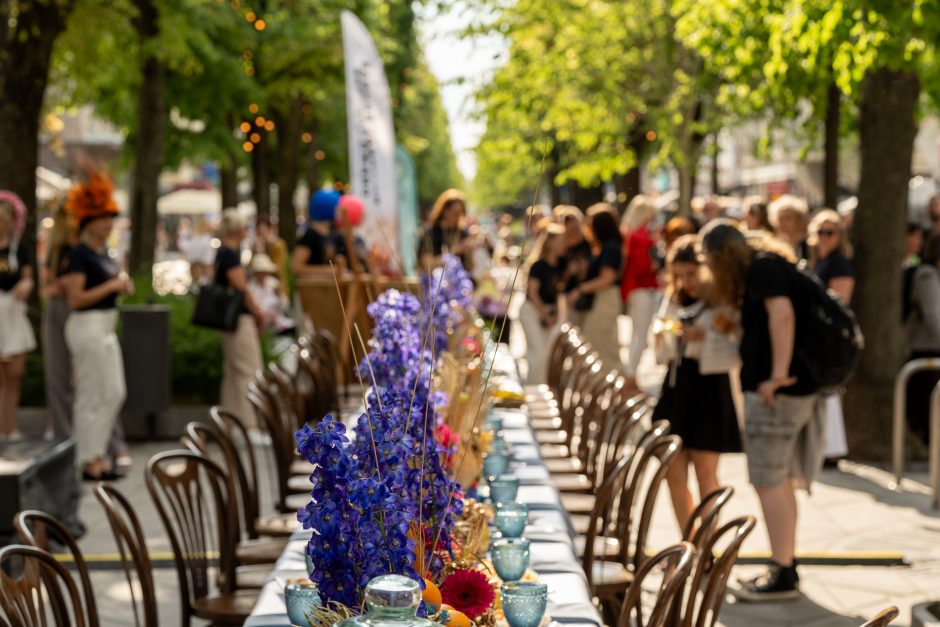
[261, 176]
[715, 185]
[887, 128]
[148, 145]
[25, 51]
[313, 165]
[686, 174]
[831, 165]
[288, 166]
[228, 180]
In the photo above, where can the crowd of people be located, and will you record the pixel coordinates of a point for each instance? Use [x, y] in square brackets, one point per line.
[724, 296]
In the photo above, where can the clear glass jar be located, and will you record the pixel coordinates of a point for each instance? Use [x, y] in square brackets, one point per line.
[391, 601]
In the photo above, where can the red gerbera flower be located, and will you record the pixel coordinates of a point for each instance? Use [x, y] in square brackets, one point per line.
[468, 591]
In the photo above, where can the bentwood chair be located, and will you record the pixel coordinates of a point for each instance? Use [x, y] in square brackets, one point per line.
[884, 618]
[676, 563]
[289, 497]
[189, 492]
[129, 538]
[703, 521]
[274, 526]
[708, 582]
[633, 510]
[38, 591]
[254, 556]
[38, 529]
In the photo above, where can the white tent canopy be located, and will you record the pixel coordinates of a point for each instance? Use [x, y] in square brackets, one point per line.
[192, 202]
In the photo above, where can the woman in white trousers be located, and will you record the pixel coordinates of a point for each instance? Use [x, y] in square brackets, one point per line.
[241, 348]
[92, 284]
[539, 312]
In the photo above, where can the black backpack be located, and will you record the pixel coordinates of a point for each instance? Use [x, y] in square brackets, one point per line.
[832, 339]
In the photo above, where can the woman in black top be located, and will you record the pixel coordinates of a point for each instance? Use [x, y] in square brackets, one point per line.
[92, 284]
[16, 332]
[830, 255]
[241, 348]
[698, 405]
[598, 297]
[444, 233]
[539, 312]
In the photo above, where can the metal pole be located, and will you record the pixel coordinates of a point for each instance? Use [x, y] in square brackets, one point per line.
[935, 447]
[900, 408]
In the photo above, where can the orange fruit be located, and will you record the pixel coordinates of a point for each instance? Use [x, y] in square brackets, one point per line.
[457, 619]
[449, 608]
[431, 594]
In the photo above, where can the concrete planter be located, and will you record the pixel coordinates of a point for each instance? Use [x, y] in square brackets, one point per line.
[926, 614]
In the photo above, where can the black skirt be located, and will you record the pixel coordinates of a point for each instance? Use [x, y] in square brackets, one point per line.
[700, 409]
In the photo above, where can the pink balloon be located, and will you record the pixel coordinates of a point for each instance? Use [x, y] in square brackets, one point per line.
[352, 208]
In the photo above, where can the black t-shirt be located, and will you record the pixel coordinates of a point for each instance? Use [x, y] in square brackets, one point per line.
[323, 248]
[11, 266]
[770, 276]
[437, 240]
[225, 259]
[833, 267]
[610, 256]
[98, 268]
[549, 278]
[579, 252]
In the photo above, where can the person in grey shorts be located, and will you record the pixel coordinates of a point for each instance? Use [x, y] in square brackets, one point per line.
[782, 427]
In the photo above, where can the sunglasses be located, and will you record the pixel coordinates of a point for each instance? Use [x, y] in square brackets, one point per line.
[827, 232]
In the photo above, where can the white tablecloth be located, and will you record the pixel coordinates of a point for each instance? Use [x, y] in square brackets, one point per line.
[552, 555]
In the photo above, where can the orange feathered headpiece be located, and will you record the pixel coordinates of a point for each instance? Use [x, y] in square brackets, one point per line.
[92, 199]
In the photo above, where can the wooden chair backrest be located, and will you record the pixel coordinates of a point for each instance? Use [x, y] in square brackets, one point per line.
[36, 528]
[202, 438]
[42, 593]
[129, 538]
[704, 518]
[676, 561]
[235, 432]
[609, 504]
[884, 617]
[283, 456]
[710, 574]
[621, 432]
[189, 492]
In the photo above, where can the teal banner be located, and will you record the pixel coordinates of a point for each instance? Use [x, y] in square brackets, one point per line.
[407, 210]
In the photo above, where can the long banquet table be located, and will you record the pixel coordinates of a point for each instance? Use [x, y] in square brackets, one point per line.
[552, 553]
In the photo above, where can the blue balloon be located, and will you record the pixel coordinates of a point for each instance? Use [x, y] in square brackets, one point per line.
[323, 205]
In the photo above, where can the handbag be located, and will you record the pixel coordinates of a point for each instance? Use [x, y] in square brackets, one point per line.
[218, 307]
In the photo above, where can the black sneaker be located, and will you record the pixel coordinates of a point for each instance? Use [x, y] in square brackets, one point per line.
[779, 583]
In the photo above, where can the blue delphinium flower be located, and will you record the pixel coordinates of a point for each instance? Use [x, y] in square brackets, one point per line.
[447, 292]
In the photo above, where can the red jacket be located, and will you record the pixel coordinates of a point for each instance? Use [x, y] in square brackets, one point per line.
[639, 271]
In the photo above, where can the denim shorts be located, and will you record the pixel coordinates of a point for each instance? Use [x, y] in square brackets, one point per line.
[771, 435]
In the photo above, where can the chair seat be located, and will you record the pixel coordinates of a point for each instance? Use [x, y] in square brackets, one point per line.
[577, 503]
[580, 523]
[563, 465]
[609, 574]
[547, 410]
[573, 482]
[301, 467]
[604, 546]
[294, 502]
[546, 424]
[226, 609]
[299, 485]
[551, 437]
[260, 551]
[536, 388]
[554, 451]
[277, 526]
[252, 577]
